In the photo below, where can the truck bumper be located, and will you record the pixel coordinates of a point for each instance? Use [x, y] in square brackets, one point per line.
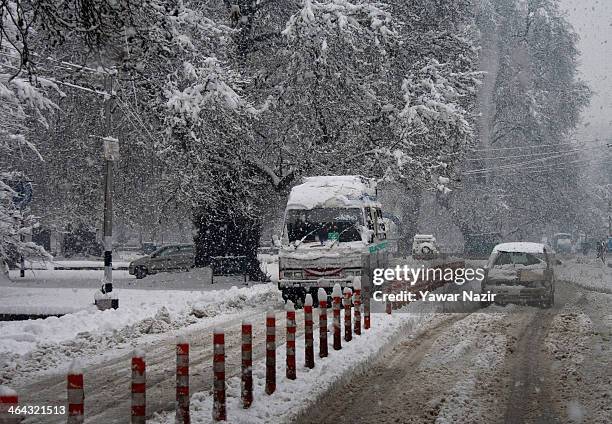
[522, 295]
[313, 284]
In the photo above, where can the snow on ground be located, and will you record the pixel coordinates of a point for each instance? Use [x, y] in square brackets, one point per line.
[34, 345]
[291, 397]
[586, 272]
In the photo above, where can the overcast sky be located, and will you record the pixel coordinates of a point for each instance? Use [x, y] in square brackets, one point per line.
[592, 20]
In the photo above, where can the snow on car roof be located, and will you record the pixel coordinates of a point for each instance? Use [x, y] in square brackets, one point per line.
[336, 191]
[521, 246]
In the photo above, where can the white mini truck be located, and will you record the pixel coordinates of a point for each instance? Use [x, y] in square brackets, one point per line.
[333, 232]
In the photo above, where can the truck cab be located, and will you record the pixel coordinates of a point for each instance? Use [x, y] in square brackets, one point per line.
[333, 232]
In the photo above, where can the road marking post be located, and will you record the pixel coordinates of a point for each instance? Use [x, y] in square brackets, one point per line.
[366, 312]
[336, 299]
[291, 368]
[348, 329]
[8, 399]
[182, 382]
[270, 352]
[76, 394]
[322, 296]
[219, 411]
[247, 364]
[308, 333]
[357, 303]
[139, 387]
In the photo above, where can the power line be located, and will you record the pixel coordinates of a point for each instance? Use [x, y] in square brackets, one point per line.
[577, 150]
[535, 146]
[518, 164]
[541, 169]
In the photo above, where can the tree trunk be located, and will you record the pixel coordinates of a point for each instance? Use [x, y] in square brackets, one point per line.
[223, 233]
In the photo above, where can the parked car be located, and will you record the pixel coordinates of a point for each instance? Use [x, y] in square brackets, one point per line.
[521, 272]
[424, 246]
[167, 258]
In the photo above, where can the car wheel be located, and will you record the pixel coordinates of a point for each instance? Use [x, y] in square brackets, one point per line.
[140, 272]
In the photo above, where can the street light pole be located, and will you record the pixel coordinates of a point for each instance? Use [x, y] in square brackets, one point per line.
[111, 153]
[108, 195]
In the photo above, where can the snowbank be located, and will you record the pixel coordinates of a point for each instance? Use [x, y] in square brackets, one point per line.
[136, 307]
[588, 273]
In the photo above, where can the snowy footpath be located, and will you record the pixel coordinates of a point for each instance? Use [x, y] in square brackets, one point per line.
[46, 344]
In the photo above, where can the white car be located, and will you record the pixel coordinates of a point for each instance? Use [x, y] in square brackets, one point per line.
[521, 272]
[424, 246]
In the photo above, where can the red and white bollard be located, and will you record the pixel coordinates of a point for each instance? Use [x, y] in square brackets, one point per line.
[219, 411]
[348, 329]
[247, 364]
[291, 368]
[182, 382]
[139, 387]
[270, 352]
[336, 299]
[357, 304]
[76, 395]
[322, 295]
[308, 333]
[366, 309]
[8, 402]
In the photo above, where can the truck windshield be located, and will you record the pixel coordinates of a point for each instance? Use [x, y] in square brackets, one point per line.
[322, 224]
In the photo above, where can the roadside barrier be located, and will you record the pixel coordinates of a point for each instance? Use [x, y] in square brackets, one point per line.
[357, 304]
[322, 295]
[139, 387]
[270, 352]
[348, 325]
[308, 333]
[346, 297]
[182, 382]
[8, 399]
[336, 298]
[76, 395]
[247, 364]
[219, 376]
[366, 310]
[291, 368]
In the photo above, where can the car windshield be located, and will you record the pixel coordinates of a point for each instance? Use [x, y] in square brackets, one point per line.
[319, 225]
[519, 258]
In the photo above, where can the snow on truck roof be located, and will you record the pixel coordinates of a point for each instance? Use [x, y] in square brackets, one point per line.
[521, 247]
[337, 191]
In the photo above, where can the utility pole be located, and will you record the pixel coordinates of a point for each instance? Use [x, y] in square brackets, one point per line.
[111, 153]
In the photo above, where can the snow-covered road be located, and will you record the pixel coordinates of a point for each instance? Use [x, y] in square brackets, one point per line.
[512, 364]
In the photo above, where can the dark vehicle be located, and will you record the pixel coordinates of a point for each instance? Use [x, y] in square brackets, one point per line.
[521, 273]
[167, 258]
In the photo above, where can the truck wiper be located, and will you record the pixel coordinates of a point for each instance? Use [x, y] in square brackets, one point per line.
[296, 245]
[342, 232]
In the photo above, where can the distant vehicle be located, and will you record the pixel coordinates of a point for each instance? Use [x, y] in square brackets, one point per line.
[333, 228]
[424, 246]
[167, 258]
[521, 272]
[562, 242]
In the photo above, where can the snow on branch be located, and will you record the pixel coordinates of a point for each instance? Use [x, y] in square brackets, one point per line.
[316, 17]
